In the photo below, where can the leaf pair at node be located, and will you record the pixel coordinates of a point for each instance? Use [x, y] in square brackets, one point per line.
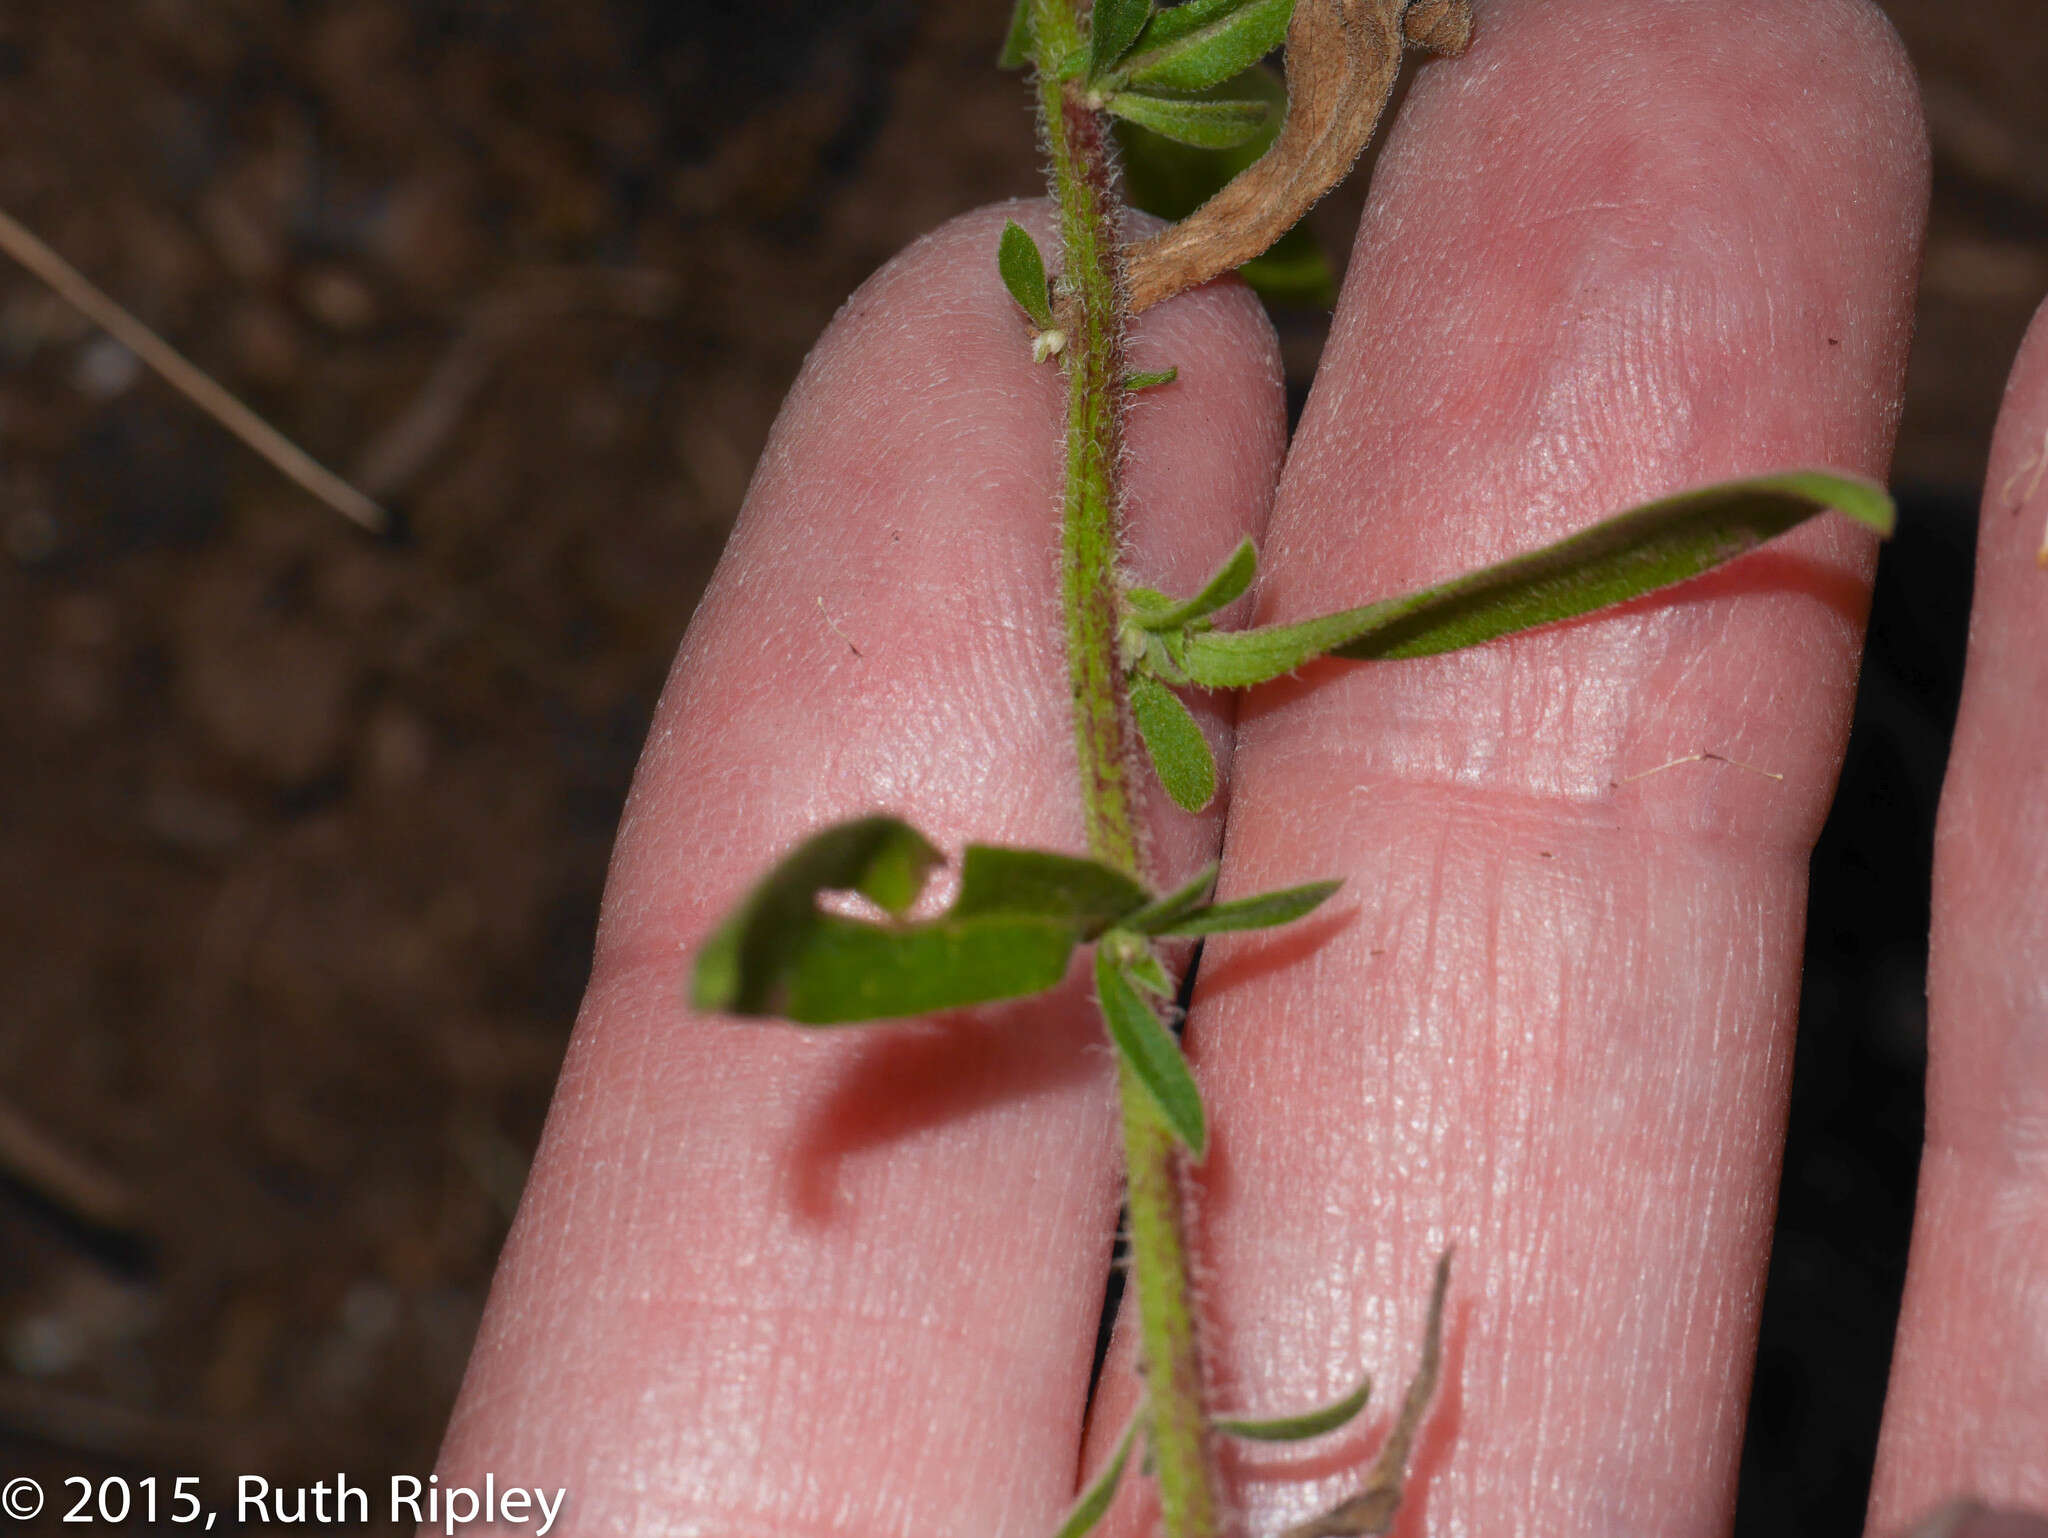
[1197, 44]
[1153, 626]
[1370, 1511]
[1011, 932]
[1164, 70]
[1127, 968]
[1656, 545]
[1093, 1503]
[1637, 552]
[1022, 268]
[1161, 68]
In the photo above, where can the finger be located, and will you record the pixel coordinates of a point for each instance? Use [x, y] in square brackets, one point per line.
[1621, 247]
[773, 1281]
[1967, 1413]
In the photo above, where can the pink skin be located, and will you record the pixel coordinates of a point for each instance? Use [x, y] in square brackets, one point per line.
[846, 1283]
[1968, 1407]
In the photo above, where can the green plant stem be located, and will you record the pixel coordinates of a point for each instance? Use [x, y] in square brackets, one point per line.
[1093, 308]
[1168, 1342]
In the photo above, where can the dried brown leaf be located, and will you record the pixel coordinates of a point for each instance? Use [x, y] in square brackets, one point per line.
[1342, 57]
[1371, 1511]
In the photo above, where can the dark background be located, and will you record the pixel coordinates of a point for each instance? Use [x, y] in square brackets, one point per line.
[302, 834]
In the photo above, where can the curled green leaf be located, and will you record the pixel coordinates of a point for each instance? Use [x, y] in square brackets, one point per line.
[1148, 1050]
[1085, 894]
[1265, 911]
[1023, 273]
[847, 971]
[1205, 42]
[1299, 1428]
[1094, 1501]
[1624, 557]
[1012, 931]
[1113, 26]
[1204, 123]
[1173, 738]
[881, 858]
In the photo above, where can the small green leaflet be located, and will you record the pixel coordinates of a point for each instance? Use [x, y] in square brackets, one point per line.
[1205, 42]
[1623, 557]
[1162, 912]
[1266, 911]
[1206, 124]
[1151, 379]
[1299, 1428]
[1113, 27]
[1183, 913]
[1179, 751]
[1012, 931]
[1155, 611]
[1150, 1053]
[1023, 273]
[1017, 42]
[1094, 1501]
[1149, 972]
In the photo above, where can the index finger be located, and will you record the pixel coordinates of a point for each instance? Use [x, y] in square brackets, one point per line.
[768, 1280]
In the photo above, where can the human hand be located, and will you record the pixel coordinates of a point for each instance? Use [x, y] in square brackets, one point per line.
[766, 1280]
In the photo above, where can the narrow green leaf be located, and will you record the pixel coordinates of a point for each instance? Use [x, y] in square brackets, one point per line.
[1023, 272]
[1299, 1428]
[1094, 1501]
[1156, 916]
[1226, 587]
[1112, 29]
[1018, 44]
[1147, 1047]
[1205, 42]
[1012, 931]
[1265, 911]
[1151, 379]
[1082, 894]
[1209, 125]
[1636, 552]
[1179, 750]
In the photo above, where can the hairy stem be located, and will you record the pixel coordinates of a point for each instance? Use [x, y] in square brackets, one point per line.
[1094, 306]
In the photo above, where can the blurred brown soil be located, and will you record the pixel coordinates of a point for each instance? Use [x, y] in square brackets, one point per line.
[302, 834]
